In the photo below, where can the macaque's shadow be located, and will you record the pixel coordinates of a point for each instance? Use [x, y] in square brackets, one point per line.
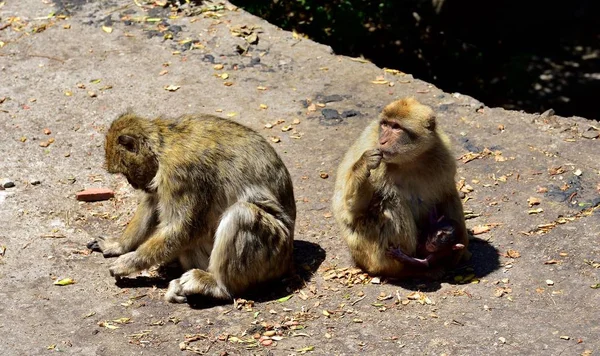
[484, 261]
[308, 257]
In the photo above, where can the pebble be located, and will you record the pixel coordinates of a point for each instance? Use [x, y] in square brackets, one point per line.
[591, 133]
[7, 183]
[330, 114]
[35, 182]
[95, 194]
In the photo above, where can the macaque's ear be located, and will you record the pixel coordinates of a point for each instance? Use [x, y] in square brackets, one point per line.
[430, 122]
[128, 142]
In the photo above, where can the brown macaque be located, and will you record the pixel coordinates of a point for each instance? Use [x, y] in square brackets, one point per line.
[437, 244]
[398, 171]
[215, 196]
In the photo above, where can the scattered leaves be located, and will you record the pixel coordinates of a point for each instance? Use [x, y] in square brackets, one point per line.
[47, 142]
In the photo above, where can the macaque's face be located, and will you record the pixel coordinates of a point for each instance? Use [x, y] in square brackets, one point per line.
[405, 132]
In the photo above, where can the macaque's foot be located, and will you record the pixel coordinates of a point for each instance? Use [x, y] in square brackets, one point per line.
[372, 158]
[125, 265]
[110, 247]
[174, 293]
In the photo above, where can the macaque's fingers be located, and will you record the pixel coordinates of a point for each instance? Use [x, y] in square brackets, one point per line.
[372, 158]
[458, 247]
[94, 246]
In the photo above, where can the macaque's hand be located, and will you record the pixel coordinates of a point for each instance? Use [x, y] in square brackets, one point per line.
[110, 247]
[372, 158]
[125, 264]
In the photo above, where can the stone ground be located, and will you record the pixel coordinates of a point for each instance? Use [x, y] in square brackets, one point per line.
[531, 188]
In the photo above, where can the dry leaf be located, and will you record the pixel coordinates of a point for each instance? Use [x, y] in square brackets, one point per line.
[107, 29]
[533, 201]
[64, 282]
[172, 87]
[218, 67]
[513, 254]
[535, 211]
[480, 229]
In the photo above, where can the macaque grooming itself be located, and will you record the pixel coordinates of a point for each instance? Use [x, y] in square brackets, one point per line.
[215, 196]
[398, 171]
[438, 243]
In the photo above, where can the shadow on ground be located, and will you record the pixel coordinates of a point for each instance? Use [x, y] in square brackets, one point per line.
[484, 261]
[308, 257]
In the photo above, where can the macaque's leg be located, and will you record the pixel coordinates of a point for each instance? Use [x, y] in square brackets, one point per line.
[397, 254]
[253, 243]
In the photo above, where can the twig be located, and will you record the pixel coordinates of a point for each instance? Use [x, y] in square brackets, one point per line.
[50, 236]
[44, 56]
[358, 300]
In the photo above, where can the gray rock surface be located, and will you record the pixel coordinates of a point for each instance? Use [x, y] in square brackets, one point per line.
[518, 174]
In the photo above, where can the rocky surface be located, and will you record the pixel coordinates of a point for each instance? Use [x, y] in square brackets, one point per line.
[531, 188]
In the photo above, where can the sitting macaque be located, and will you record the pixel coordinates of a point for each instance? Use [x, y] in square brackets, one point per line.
[438, 242]
[398, 171]
[215, 196]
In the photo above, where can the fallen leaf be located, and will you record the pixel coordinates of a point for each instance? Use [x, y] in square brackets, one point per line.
[480, 229]
[535, 211]
[263, 106]
[533, 201]
[324, 175]
[305, 349]
[64, 282]
[172, 87]
[107, 29]
[224, 76]
[549, 282]
[47, 132]
[595, 286]
[218, 67]
[285, 299]
[261, 88]
[275, 139]
[551, 262]
[513, 254]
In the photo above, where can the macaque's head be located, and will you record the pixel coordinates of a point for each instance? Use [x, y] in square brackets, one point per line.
[442, 236]
[407, 129]
[128, 150]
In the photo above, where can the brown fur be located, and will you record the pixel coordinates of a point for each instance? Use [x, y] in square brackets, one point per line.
[215, 196]
[388, 184]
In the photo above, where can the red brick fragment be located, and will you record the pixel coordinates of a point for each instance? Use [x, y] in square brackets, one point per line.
[95, 194]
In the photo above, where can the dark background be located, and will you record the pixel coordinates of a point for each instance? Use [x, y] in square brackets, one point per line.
[528, 55]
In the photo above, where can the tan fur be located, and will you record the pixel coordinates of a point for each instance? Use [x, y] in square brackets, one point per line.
[215, 196]
[384, 200]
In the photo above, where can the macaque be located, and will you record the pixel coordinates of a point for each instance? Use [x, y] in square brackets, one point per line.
[398, 171]
[438, 243]
[215, 197]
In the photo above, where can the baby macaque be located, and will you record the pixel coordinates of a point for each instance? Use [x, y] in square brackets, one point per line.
[438, 242]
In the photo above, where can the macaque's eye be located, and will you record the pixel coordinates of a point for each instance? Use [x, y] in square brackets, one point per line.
[396, 127]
